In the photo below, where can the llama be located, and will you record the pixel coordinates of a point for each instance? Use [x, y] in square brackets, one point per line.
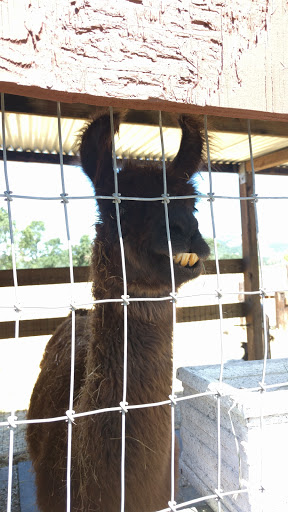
[96, 447]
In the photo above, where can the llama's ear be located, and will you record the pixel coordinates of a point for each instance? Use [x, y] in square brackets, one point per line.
[189, 156]
[96, 151]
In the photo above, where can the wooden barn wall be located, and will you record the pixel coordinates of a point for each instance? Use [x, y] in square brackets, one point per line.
[170, 54]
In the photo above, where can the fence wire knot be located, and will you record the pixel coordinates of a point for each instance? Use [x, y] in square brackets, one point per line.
[123, 406]
[172, 398]
[17, 307]
[7, 194]
[73, 306]
[165, 198]
[64, 198]
[255, 198]
[11, 420]
[125, 299]
[262, 292]
[172, 505]
[218, 493]
[219, 294]
[210, 196]
[70, 415]
[173, 295]
[116, 198]
[262, 387]
[219, 393]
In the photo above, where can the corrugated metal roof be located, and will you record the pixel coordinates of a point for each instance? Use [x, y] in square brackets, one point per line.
[40, 134]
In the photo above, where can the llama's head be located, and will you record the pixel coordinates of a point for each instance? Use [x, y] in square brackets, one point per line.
[143, 223]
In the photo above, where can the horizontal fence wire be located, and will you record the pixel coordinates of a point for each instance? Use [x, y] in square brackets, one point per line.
[235, 395]
[219, 394]
[144, 199]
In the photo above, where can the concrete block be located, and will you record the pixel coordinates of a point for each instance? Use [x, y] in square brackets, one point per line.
[253, 434]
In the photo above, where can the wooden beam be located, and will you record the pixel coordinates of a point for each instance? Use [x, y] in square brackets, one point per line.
[273, 159]
[251, 269]
[42, 107]
[199, 313]
[145, 56]
[39, 158]
[226, 266]
[47, 326]
[40, 327]
[44, 158]
[37, 276]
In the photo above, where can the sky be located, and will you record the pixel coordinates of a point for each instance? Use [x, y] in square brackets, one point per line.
[45, 181]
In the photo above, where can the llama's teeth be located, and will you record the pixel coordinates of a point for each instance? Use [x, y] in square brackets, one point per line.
[185, 259]
[177, 257]
[193, 259]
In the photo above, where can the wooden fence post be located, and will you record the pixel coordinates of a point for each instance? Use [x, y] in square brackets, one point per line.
[281, 304]
[251, 268]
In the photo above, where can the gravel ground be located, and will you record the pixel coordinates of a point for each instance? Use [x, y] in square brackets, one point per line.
[15, 490]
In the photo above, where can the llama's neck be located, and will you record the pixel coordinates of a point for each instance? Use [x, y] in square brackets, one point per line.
[148, 354]
[149, 346]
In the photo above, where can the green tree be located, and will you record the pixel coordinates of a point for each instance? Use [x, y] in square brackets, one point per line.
[225, 251]
[29, 241]
[82, 252]
[33, 253]
[53, 255]
[5, 246]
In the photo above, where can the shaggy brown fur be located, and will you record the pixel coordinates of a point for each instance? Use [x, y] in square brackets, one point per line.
[96, 446]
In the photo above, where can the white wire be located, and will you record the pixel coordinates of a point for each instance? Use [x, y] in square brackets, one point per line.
[166, 200]
[211, 201]
[125, 298]
[73, 319]
[146, 199]
[264, 330]
[16, 306]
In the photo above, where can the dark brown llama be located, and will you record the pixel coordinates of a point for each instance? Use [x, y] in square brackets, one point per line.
[96, 448]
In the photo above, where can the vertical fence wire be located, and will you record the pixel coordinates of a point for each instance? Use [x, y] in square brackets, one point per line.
[70, 411]
[219, 297]
[125, 303]
[12, 417]
[12, 420]
[263, 304]
[174, 298]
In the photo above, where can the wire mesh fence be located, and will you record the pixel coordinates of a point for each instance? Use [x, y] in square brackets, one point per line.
[219, 391]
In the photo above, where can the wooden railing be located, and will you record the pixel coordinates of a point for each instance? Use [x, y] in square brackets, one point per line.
[43, 276]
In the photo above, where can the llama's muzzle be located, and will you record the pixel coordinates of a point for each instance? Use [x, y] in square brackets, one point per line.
[185, 258]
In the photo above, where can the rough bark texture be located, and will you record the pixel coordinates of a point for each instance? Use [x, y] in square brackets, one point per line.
[170, 54]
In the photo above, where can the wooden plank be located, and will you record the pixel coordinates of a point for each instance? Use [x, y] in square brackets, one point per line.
[37, 276]
[40, 327]
[186, 56]
[41, 158]
[44, 158]
[199, 313]
[226, 266]
[273, 159]
[281, 304]
[251, 269]
[42, 107]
